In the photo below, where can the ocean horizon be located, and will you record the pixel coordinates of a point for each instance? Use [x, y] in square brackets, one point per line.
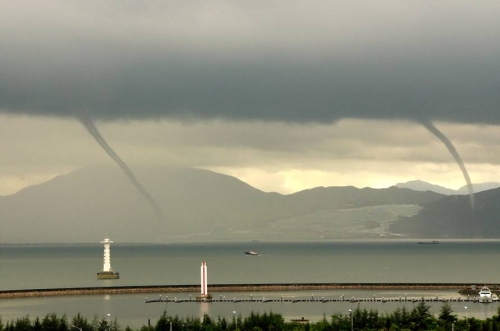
[43, 266]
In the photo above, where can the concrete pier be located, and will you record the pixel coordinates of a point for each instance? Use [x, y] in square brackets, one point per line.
[164, 289]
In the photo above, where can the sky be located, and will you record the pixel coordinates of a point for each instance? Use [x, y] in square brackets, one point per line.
[282, 95]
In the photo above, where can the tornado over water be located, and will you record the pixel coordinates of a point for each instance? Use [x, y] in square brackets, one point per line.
[435, 131]
[87, 122]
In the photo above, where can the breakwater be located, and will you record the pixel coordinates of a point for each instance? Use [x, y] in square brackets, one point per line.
[459, 287]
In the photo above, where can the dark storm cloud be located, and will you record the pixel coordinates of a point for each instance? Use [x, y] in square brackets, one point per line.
[301, 62]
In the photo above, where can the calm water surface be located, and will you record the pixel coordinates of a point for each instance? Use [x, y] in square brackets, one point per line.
[63, 266]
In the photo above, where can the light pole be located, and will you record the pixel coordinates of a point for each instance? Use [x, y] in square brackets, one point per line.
[170, 324]
[465, 314]
[109, 322]
[352, 324]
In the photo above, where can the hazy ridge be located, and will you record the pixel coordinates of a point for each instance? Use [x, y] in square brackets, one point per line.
[419, 185]
[201, 205]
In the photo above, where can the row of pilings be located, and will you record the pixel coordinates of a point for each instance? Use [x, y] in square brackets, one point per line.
[312, 298]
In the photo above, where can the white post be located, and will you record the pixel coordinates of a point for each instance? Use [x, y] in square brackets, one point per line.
[352, 324]
[204, 287]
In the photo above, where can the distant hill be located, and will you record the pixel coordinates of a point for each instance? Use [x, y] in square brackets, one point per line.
[479, 187]
[198, 205]
[453, 217]
[94, 202]
[419, 185]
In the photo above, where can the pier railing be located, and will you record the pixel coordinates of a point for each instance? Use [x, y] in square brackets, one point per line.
[312, 298]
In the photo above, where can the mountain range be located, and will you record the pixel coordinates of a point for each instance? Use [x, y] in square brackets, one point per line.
[204, 206]
[419, 185]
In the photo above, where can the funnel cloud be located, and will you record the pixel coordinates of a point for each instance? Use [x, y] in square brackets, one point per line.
[92, 129]
[453, 151]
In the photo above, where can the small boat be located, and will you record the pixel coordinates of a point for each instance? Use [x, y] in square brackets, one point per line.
[252, 253]
[434, 242]
[485, 295]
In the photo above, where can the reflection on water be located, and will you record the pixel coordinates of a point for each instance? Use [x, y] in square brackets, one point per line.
[204, 309]
[131, 309]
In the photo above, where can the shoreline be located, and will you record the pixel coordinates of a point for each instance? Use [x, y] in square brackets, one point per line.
[461, 288]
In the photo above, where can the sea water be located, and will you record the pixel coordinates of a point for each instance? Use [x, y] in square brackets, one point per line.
[66, 266]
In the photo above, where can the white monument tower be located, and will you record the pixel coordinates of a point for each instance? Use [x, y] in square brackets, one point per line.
[204, 287]
[107, 272]
[203, 278]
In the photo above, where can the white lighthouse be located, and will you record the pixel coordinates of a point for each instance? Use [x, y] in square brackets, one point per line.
[107, 272]
[204, 287]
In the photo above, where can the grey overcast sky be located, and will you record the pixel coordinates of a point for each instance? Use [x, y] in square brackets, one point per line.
[285, 95]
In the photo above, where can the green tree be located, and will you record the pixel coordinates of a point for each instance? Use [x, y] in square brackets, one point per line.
[401, 317]
[341, 322]
[163, 324]
[101, 325]
[207, 324]
[23, 324]
[37, 325]
[322, 325]
[421, 318]
[80, 322]
[222, 323]
[474, 324]
[50, 323]
[446, 317]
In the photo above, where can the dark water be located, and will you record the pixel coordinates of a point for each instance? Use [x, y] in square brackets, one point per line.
[63, 266]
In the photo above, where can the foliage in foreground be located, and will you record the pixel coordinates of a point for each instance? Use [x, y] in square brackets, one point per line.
[419, 318]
